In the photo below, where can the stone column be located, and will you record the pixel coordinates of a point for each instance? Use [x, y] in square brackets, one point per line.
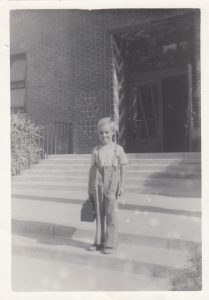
[196, 135]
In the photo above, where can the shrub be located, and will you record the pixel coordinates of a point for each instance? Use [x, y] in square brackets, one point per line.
[25, 146]
[189, 279]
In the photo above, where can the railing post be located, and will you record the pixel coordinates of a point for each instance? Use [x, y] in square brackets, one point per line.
[55, 141]
[51, 142]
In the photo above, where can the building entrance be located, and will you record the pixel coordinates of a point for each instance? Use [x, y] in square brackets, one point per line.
[153, 82]
[158, 115]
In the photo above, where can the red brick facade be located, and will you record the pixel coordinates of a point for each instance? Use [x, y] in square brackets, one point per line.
[68, 76]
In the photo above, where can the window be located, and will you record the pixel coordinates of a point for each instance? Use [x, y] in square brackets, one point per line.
[18, 78]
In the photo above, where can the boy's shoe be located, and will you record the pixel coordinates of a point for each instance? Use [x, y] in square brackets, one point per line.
[108, 250]
[95, 247]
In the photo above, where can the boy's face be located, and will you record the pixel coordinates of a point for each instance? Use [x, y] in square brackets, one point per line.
[105, 134]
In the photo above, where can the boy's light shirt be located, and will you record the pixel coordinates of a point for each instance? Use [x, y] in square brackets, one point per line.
[104, 155]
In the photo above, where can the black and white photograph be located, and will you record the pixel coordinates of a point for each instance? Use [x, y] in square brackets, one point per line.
[105, 126]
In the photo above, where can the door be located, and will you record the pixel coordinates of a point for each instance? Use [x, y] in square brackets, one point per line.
[144, 128]
[175, 111]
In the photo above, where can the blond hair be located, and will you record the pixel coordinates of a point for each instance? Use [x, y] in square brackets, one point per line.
[107, 121]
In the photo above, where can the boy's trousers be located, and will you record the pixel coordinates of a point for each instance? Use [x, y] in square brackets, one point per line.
[105, 186]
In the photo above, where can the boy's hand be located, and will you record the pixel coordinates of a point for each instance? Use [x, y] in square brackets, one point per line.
[90, 195]
[121, 191]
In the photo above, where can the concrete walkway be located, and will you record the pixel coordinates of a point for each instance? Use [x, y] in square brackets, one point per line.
[35, 274]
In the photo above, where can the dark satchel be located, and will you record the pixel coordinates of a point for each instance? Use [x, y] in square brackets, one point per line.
[87, 211]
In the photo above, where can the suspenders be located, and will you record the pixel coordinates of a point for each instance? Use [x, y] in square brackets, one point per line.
[114, 167]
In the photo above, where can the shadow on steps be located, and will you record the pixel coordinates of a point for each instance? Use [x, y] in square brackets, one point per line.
[180, 180]
[76, 237]
[121, 206]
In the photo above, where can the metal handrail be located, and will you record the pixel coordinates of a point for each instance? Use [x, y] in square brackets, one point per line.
[51, 138]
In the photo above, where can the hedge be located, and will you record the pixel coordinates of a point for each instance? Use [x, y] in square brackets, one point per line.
[26, 145]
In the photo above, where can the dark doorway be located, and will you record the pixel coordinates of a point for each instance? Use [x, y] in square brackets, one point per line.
[144, 125]
[175, 104]
[153, 75]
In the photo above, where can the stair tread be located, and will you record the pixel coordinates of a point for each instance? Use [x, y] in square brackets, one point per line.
[177, 180]
[83, 181]
[129, 165]
[131, 222]
[124, 253]
[129, 171]
[186, 189]
[160, 201]
[153, 154]
[38, 274]
[130, 160]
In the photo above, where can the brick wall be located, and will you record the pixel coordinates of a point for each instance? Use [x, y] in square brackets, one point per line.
[69, 66]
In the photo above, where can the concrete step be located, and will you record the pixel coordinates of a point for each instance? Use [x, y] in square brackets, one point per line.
[35, 274]
[186, 187]
[131, 161]
[40, 178]
[177, 155]
[136, 260]
[156, 228]
[137, 202]
[28, 228]
[173, 173]
[152, 167]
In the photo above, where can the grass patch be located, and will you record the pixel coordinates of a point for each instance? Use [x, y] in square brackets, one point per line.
[189, 279]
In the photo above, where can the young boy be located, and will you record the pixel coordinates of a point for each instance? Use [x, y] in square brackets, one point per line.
[106, 184]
